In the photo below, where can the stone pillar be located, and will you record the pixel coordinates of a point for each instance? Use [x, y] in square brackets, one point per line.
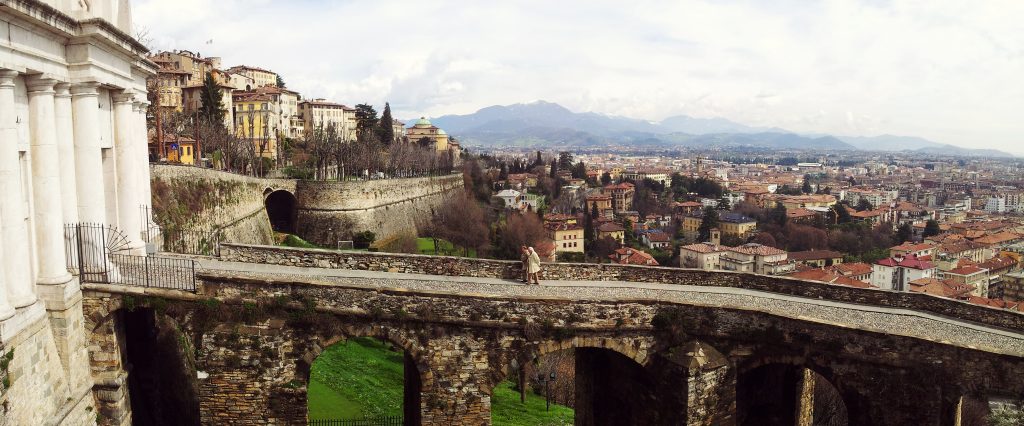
[15, 236]
[92, 204]
[46, 185]
[66, 153]
[6, 310]
[127, 170]
[145, 186]
[805, 398]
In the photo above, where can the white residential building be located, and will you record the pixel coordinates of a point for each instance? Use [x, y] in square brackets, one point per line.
[896, 273]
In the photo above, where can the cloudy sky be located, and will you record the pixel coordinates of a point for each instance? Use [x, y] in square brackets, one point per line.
[950, 71]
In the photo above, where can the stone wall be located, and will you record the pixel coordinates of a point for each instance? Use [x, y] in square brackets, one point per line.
[39, 389]
[468, 267]
[329, 211]
[260, 335]
[204, 199]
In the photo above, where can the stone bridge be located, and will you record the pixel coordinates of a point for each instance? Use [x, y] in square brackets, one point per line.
[653, 346]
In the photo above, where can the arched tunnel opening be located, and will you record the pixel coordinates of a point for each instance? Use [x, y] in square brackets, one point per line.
[783, 394]
[589, 386]
[162, 384]
[281, 208]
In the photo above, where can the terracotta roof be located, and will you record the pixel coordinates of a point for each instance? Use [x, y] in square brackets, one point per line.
[998, 238]
[610, 227]
[966, 270]
[799, 213]
[757, 250]
[562, 226]
[911, 247]
[658, 237]
[826, 276]
[629, 256]
[911, 261]
[854, 268]
[995, 303]
[998, 262]
[704, 248]
[940, 288]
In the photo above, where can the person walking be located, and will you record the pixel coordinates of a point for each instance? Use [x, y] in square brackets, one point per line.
[524, 256]
[533, 267]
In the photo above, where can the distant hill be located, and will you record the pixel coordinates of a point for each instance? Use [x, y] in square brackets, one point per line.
[889, 142]
[956, 151]
[543, 123]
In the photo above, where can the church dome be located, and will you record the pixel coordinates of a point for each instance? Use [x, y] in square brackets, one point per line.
[423, 122]
[441, 132]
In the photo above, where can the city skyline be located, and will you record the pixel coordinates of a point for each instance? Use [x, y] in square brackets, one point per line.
[847, 68]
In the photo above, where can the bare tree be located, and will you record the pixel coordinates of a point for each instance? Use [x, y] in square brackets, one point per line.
[461, 221]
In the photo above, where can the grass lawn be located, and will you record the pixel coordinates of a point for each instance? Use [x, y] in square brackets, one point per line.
[291, 240]
[426, 246]
[506, 410]
[360, 377]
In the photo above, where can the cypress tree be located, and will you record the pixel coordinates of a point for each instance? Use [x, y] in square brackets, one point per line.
[385, 131]
[212, 108]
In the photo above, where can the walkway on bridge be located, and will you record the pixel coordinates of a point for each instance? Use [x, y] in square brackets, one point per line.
[895, 321]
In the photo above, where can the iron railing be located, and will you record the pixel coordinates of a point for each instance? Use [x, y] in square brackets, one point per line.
[367, 421]
[99, 254]
[184, 241]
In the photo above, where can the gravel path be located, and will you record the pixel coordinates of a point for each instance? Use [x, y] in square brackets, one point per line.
[903, 322]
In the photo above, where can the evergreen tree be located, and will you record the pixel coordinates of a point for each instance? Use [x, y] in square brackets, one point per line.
[777, 215]
[280, 81]
[366, 119]
[931, 227]
[539, 161]
[904, 233]
[593, 211]
[579, 171]
[385, 129]
[807, 184]
[606, 178]
[863, 205]
[564, 160]
[212, 108]
[588, 228]
[554, 171]
[841, 214]
[709, 221]
[723, 203]
[630, 237]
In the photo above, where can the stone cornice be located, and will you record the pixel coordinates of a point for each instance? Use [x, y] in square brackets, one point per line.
[94, 28]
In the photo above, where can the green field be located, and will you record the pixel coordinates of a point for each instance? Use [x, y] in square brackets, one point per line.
[363, 377]
[426, 246]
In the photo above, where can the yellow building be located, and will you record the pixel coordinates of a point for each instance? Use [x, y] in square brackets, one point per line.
[792, 202]
[730, 223]
[260, 77]
[425, 133]
[568, 237]
[255, 120]
[612, 230]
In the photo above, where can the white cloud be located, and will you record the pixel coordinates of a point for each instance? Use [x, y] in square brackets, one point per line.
[944, 70]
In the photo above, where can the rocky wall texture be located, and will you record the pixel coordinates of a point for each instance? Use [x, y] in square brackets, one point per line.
[258, 336]
[331, 211]
[467, 267]
[191, 198]
[37, 387]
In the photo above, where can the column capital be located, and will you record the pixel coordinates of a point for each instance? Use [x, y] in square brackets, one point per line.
[39, 85]
[7, 77]
[63, 90]
[89, 88]
[124, 97]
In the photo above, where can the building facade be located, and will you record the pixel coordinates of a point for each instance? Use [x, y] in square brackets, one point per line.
[72, 149]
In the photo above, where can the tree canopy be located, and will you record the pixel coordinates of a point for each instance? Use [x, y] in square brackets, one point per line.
[211, 97]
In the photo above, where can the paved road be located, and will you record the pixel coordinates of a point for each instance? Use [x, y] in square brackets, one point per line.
[894, 321]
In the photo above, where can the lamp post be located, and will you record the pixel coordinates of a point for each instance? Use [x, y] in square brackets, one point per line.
[547, 387]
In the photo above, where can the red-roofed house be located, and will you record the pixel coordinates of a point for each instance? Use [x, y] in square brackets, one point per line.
[941, 288]
[631, 256]
[757, 258]
[896, 273]
[970, 275]
[827, 276]
[704, 256]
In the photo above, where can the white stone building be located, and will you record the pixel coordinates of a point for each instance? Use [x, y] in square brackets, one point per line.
[72, 149]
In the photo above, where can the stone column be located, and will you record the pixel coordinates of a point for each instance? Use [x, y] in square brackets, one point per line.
[145, 188]
[805, 398]
[46, 183]
[92, 204]
[66, 153]
[15, 236]
[127, 170]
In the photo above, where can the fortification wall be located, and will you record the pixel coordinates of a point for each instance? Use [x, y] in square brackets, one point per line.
[329, 211]
[460, 266]
[203, 200]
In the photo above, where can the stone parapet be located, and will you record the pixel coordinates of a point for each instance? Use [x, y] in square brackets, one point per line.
[486, 268]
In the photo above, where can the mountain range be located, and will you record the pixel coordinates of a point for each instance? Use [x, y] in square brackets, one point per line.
[549, 124]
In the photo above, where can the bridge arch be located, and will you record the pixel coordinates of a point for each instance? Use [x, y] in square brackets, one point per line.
[282, 209]
[416, 372]
[785, 390]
